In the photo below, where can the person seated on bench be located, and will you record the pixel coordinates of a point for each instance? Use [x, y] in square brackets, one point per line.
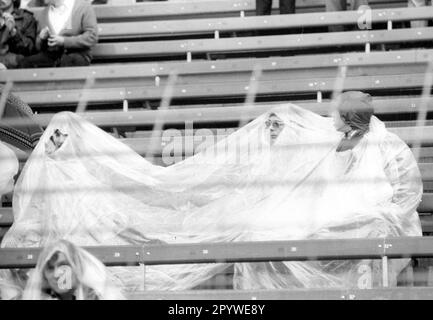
[376, 166]
[8, 169]
[354, 118]
[287, 175]
[67, 32]
[17, 33]
[65, 271]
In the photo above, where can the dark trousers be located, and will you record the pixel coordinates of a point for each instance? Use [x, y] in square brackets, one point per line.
[46, 59]
[11, 60]
[341, 5]
[264, 7]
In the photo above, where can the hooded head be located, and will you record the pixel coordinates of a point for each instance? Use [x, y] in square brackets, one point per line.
[64, 268]
[354, 111]
[275, 125]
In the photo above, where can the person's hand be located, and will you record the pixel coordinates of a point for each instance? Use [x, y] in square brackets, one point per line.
[56, 41]
[9, 21]
[45, 33]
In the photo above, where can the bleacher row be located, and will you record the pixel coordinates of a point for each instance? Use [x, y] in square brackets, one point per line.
[301, 250]
[193, 9]
[213, 47]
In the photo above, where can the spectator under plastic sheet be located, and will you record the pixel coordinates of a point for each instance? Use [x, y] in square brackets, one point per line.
[280, 177]
[23, 136]
[67, 272]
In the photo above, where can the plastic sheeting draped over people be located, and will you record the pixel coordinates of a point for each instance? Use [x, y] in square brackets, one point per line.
[95, 190]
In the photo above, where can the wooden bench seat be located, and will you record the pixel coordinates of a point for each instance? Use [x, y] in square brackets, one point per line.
[401, 293]
[123, 30]
[140, 49]
[218, 113]
[302, 250]
[286, 88]
[116, 77]
[123, 72]
[295, 250]
[205, 9]
[138, 29]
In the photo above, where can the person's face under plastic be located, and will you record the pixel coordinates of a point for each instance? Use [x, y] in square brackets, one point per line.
[59, 275]
[275, 126]
[55, 141]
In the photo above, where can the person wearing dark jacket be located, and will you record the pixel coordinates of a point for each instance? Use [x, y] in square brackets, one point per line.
[17, 33]
[67, 31]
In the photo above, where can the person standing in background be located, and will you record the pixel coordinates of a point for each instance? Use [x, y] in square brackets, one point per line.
[264, 7]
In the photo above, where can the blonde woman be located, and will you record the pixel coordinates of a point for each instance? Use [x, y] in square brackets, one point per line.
[67, 272]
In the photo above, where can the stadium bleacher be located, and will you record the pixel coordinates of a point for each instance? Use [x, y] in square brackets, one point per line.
[207, 8]
[291, 75]
[302, 68]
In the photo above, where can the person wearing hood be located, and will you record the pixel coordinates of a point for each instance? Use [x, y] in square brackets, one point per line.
[67, 272]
